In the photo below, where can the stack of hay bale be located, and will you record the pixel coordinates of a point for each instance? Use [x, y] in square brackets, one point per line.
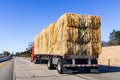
[71, 34]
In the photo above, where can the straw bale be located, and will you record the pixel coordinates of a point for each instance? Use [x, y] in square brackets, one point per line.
[36, 44]
[50, 37]
[72, 34]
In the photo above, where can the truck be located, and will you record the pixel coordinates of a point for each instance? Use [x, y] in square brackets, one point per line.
[73, 42]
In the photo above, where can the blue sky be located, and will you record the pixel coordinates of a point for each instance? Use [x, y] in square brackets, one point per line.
[22, 20]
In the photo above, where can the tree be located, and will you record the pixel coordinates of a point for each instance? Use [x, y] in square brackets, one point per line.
[25, 53]
[114, 37]
[6, 53]
[29, 46]
[117, 35]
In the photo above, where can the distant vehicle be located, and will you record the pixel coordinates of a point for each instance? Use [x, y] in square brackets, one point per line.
[72, 42]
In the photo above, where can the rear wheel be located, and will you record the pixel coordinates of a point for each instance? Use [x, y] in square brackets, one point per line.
[50, 65]
[36, 61]
[40, 61]
[60, 66]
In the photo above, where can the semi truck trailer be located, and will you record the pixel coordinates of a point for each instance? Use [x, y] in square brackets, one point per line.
[72, 42]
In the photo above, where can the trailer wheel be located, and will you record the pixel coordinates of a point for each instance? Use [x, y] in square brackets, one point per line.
[35, 61]
[60, 66]
[50, 65]
[40, 61]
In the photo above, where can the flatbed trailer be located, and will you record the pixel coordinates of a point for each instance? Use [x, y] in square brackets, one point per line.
[66, 63]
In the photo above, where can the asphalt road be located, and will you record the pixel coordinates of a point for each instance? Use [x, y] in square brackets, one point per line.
[26, 70]
[6, 70]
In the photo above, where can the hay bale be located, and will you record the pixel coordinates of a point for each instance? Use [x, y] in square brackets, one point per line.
[72, 34]
[36, 44]
[50, 37]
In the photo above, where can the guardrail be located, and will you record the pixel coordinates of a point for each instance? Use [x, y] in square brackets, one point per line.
[5, 58]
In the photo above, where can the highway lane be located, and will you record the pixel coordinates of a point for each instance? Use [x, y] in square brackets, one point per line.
[6, 70]
[25, 70]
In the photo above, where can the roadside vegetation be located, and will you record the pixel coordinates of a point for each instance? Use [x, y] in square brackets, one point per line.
[5, 53]
[25, 53]
[114, 39]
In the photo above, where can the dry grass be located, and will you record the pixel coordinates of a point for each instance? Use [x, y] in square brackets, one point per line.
[111, 53]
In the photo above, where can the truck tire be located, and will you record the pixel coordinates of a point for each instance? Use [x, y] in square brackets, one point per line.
[50, 65]
[60, 66]
[40, 61]
[35, 61]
